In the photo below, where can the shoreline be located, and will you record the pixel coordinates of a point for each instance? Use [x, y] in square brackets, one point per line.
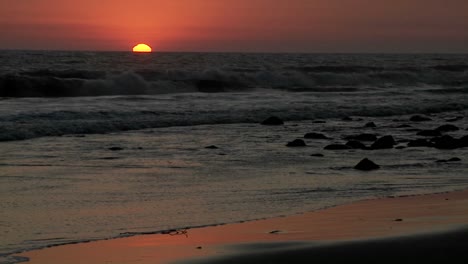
[448, 246]
[374, 218]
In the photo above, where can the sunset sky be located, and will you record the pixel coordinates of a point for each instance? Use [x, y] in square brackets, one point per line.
[237, 25]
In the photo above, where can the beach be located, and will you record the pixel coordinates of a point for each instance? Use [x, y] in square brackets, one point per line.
[112, 147]
[429, 228]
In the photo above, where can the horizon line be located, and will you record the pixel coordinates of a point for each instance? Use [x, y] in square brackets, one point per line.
[249, 52]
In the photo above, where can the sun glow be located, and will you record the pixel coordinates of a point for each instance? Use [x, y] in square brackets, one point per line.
[142, 48]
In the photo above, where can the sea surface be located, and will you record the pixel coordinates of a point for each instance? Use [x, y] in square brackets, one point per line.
[98, 145]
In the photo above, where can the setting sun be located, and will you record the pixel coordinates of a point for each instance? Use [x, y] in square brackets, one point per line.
[142, 48]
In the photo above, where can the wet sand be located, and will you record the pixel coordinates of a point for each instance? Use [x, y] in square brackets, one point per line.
[424, 228]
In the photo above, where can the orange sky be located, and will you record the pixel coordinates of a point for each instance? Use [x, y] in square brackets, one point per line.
[237, 25]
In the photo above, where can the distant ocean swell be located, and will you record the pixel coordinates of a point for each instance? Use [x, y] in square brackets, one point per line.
[71, 83]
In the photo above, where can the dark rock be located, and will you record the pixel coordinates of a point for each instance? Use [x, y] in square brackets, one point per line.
[419, 118]
[319, 122]
[447, 128]
[109, 158]
[362, 137]
[337, 147]
[212, 147]
[385, 142]
[370, 124]
[315, 136]
[398, 220]
[355, 144]
[463, 142]
[429, 133]
[446, 142]
[420, 143]
[115, 148]
[210, 86]
[347, 118]
[366, 165]
[403, 126]
[455, 159]
[296, 143]
[400, 147]
[272, 121]
[317, 155]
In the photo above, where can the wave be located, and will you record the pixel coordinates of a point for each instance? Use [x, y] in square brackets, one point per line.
[73, 83]
[169, 112]
[452, 68]
[65, 74]
[338, 69]
[450, 90]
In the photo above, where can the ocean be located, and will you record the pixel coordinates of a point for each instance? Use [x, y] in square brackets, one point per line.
[99, 145]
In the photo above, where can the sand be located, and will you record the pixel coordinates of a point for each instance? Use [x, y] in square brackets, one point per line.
[413, 229]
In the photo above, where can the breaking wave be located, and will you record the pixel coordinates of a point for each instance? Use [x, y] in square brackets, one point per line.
[71, 83]
[59, 93]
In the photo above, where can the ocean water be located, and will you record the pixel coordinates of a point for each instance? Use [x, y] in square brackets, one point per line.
[97, 145]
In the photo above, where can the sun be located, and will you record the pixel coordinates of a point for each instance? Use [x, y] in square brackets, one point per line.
[142, 48]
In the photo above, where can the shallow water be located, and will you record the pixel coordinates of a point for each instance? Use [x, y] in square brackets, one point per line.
[64, 183]
[71, 188]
